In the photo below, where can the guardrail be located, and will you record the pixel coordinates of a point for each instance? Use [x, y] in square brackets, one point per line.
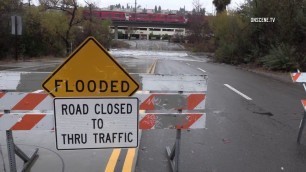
[170, 102]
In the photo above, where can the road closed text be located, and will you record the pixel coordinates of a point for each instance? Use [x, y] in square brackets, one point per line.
[96, 122]
[99, 109]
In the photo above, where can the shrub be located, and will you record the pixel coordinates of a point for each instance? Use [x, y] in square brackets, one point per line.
[226, 53]
[281, 57]
[232, 38]
[119, 44]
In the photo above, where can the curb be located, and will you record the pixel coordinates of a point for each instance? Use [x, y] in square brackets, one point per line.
[282, 77]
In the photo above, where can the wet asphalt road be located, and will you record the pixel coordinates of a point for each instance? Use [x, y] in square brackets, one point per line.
[241, 135]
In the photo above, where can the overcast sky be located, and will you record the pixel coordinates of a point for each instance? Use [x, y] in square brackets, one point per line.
[165, 4]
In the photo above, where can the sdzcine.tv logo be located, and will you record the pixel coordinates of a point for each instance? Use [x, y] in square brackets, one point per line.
[262, 19]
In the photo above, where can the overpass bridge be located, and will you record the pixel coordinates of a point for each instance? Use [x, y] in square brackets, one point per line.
[142, 30]
[149, 24]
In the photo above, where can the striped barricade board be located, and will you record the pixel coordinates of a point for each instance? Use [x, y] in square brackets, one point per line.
[31, 81]
[27, 121]
[298, 77]
[22, 81]
[45, 121]
[304, 104]
[172, 121]
[23, 101]
[163, 97]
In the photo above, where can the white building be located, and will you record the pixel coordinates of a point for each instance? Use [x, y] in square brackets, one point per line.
[125, 32]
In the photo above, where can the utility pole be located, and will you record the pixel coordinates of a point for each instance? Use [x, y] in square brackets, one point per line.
[16, 38]
[135, 9]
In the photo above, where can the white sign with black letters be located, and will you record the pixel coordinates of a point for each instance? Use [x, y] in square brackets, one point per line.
[92, 123]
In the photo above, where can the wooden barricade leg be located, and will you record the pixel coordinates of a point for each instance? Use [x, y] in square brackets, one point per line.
[302, 125]
[174, 153]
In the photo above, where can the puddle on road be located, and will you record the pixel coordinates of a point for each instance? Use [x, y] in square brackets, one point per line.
[264, 113]
[258, 110]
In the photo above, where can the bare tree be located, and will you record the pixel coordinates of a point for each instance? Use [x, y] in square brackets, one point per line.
[91, 6]
[70, 7]
[198, 24]
[197, 5]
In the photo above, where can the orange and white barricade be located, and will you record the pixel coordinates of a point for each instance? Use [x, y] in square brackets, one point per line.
[300, 77]
[169, 102]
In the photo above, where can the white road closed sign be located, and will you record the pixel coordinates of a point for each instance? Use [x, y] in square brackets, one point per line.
[92, 123]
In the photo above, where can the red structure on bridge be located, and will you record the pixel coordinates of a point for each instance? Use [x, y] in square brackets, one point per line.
[138, 17]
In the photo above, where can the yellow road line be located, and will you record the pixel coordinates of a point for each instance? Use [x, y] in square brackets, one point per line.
[129, 159]
[112, 160]
[128, 163]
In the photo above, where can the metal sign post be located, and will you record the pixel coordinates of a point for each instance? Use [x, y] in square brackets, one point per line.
[16, 30]
[13, 150]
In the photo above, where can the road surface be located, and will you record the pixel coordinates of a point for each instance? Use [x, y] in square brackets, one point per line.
[252, 124]
[252, 121]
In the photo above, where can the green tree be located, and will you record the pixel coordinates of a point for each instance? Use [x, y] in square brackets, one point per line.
[221, 5]
[33, 35]
[202, 11]
[232, 34]
[278, 45]
[54, 26]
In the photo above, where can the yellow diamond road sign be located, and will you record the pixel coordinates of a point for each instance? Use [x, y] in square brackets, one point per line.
[90, 71]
